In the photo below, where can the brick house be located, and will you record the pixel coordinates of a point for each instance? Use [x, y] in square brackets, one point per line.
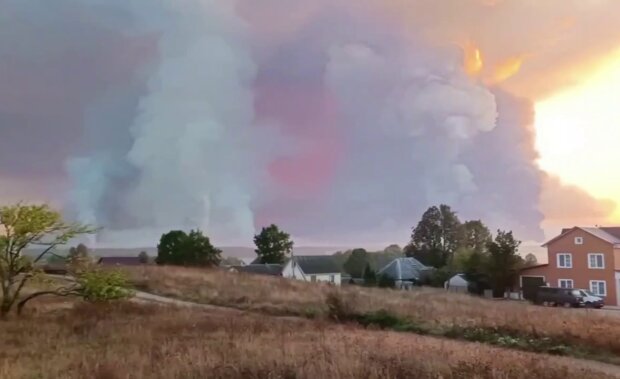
[586, 258]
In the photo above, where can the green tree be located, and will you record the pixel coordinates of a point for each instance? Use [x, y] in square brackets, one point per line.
[370, 276]
[92, 284]
[475, 236]
[385, 281]
[531, 260]
[27, 226]
[143, 257]
[194, 249]
[503, 262]
[393, 249]
[273, 245]
[78, 255]
[356, 263]
[436, 237]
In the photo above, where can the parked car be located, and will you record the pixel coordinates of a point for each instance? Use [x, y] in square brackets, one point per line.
[591, 300]
[566, 297]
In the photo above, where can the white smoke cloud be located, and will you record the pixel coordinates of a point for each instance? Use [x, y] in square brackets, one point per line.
[341, 121]
[192, 136]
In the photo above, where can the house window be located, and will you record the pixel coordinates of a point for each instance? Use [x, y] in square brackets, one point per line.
[578, 240]
[313, 278]
[598, 287]
[332, 278]
[596, 261]
[565, 260]
[565, 283]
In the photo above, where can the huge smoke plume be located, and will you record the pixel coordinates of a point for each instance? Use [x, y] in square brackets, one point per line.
[341, 121]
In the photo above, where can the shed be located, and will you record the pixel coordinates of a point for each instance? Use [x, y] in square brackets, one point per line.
[457, 283]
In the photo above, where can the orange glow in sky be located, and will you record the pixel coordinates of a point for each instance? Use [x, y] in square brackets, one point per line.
[578, 132]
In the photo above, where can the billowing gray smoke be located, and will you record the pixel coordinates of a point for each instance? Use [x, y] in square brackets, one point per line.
[339, 120]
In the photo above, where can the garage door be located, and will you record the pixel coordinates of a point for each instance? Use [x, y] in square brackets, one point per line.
[530, 284]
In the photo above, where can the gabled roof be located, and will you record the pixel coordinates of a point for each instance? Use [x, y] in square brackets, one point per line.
[261, 269]
[607, 234]
[534, 266]
[312, 264]
[404, 269]
[317, 264]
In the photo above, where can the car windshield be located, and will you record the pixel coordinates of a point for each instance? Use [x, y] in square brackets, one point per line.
[587, 293]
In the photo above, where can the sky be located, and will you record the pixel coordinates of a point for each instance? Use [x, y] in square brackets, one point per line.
[341, 120]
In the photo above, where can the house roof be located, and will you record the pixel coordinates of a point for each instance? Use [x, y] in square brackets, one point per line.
[121, 261]
[607, 234]
[534, 266]
[317, 264]
[261, 269]
[404, 269]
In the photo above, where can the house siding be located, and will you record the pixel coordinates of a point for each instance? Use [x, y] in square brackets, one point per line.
[327, 277]
[617, 287]
[288, 272]
[580, 273]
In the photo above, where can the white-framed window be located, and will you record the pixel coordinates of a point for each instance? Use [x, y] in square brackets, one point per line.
[598, 287]
[313, 278]
[332, 278]
[596, 260]
[565, 260]
[578, 240]
[565, 283]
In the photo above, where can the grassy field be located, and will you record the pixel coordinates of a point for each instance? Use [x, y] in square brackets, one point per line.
[127, 340]
[434, 308]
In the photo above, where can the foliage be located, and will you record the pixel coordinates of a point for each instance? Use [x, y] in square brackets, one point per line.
[439, 276]
[393, 249]
[376, 259]
[370, 277]
[356, 263]
[385, 281]
[102, 285]
[339, 308]
[143, 257]
[194, 249]
[90, 283]
[503, 263]
[531, 260]
[436, 237]
[78, 254]
[475, 236]
[273, 245]
[23, 226]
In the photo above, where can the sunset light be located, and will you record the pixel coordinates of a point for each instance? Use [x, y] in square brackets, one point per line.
[579, 130]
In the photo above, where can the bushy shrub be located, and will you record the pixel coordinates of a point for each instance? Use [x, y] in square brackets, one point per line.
[101, 285]
[338, 307]
[385, 281]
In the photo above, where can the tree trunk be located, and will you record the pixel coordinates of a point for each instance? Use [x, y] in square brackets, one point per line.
[5, 307]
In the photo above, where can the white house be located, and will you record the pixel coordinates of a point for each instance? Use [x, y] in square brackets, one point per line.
[313, 268]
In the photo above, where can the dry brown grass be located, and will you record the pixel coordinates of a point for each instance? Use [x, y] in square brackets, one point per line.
[137, 341]
[282, 296]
